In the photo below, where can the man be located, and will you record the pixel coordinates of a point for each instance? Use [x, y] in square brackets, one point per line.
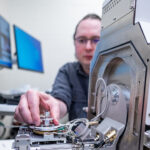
[70, 90]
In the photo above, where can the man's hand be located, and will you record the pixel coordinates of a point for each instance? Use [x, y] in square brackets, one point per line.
[33, 103]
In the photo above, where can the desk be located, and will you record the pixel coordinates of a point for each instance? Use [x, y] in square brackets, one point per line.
[6, 109]
[6, 144]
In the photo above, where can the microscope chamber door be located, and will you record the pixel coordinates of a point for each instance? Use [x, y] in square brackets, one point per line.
[123, 73]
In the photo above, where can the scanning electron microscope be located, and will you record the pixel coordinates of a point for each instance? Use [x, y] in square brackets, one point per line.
[119, 90]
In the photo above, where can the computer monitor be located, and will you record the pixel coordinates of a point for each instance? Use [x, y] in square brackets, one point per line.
[5, 49]
[28, 50]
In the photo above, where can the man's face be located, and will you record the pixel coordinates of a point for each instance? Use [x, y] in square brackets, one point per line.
[87, 36]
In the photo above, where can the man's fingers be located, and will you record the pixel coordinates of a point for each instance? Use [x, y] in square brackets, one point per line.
[44, 96]
[28, 110]
[54, 110]
[23, 110]
[33, 104]
[17, 116]
[52, 105]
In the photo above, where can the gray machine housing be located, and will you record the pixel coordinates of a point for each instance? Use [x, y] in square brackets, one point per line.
[122, 58]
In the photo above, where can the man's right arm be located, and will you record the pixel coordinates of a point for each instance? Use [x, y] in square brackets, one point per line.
[32, 103]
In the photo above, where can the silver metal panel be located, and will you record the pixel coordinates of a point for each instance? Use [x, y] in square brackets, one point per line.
[122, 57]
[115, 10]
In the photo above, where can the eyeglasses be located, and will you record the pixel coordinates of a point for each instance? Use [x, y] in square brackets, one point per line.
[83, 41]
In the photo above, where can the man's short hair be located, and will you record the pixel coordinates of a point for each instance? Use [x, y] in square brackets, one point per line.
[88, 16]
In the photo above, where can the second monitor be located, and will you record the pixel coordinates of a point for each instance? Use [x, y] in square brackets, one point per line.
[28, 48]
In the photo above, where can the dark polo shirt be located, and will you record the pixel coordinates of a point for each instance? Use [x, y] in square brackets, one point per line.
[71, 86]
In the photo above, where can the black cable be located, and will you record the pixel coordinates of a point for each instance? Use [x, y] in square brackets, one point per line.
[100, 144]
[4, 130]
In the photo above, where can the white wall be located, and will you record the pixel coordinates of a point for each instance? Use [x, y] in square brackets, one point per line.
[53, 23]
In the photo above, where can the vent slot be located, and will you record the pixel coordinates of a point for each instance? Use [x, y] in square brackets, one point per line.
[110, 5]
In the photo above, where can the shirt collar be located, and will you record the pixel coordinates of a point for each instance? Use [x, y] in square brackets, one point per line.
[80, 70]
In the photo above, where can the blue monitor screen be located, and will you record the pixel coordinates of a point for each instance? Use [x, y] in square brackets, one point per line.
[28, 48]
[5, 50]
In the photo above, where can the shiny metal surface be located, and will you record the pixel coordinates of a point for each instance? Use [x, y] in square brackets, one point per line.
[122, 57]
[147, 139]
